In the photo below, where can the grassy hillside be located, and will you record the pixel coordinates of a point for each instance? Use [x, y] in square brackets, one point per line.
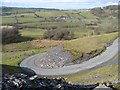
[88, 44]
[91, 33]
[14, 53]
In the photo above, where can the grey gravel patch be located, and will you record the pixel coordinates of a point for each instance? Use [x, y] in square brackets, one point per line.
[55, 58]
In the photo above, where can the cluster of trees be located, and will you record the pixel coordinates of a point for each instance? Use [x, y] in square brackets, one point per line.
[10, 35]
[58, 35]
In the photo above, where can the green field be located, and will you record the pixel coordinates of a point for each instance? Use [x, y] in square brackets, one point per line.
[33, 33]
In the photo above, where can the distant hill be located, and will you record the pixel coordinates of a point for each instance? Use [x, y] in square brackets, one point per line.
[105, 11]
[13, 10]
[18, 10]
[112, 7]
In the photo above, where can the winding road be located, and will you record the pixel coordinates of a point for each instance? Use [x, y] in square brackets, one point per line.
[109, 53]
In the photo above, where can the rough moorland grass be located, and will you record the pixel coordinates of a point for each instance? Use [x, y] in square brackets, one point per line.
[29, 45]
[87, 44]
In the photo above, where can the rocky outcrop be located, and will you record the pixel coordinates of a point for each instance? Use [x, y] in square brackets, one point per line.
[24, 82]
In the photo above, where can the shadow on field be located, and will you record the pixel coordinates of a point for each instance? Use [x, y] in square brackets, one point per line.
[23, 39]
[17, 40]
[16, 69]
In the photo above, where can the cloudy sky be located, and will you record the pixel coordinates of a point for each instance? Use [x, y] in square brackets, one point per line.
[58, 4]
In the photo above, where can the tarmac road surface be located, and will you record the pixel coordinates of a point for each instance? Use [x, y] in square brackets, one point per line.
[109, 53]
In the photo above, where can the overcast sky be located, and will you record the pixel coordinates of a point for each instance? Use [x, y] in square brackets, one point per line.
[58, 4]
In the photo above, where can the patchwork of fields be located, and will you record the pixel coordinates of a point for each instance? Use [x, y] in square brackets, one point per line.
[81, 23]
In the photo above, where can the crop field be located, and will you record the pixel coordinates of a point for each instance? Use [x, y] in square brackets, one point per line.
[91, 33]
